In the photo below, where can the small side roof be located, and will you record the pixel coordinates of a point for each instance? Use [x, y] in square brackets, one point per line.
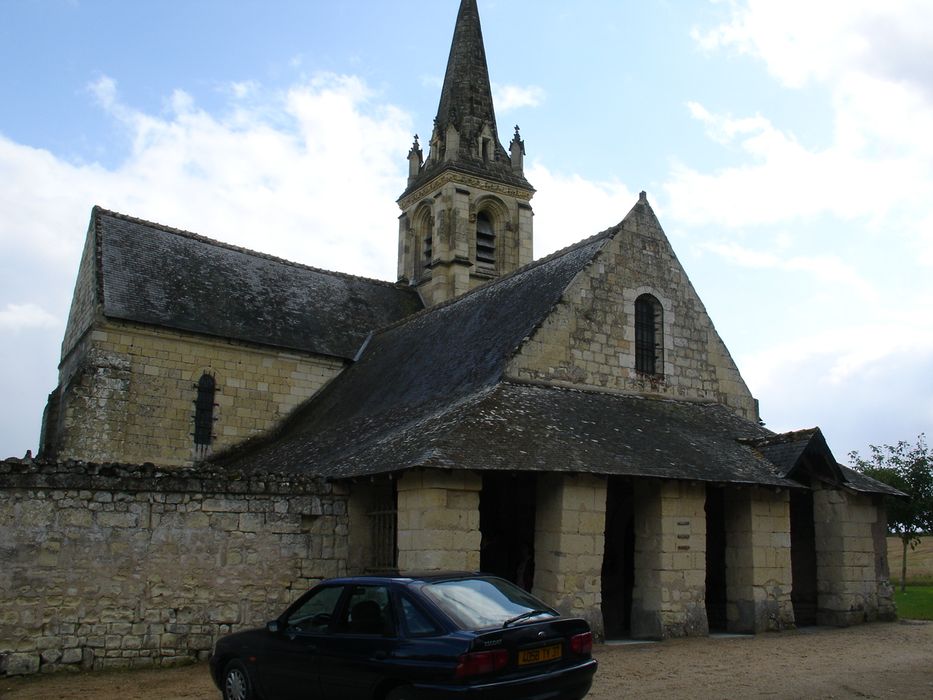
[806, 452]
[153, 274]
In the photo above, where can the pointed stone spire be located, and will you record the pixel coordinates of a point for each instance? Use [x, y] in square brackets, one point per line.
[466, 98]
[465, 135]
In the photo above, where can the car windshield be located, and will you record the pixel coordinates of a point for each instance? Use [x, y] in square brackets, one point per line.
[485, 602]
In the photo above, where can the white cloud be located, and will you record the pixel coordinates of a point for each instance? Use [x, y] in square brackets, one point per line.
[819, 269]
[18, 317]
[876, 62]
[310, 174]
[803, 41]
[509, 97]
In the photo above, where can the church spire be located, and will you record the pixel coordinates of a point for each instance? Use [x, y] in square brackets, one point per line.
[466, 213]
[465, 135]
[466, 98]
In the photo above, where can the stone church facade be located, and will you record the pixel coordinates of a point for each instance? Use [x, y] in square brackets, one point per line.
[575, 424]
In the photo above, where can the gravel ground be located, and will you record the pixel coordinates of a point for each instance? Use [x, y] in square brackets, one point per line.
[890, 660]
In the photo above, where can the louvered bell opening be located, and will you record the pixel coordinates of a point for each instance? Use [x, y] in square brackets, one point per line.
[485, 241]
[428, 251]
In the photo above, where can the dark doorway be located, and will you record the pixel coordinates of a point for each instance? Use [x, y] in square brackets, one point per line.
[618, 573]
[716, 558]
[803, 557]
[507, 523]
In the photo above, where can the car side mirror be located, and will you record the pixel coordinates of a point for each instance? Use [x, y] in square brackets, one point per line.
[273, 626]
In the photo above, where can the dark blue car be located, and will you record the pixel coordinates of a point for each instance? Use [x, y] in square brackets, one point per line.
[398, 638]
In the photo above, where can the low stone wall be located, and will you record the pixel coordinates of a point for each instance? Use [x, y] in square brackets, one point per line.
[110, 566]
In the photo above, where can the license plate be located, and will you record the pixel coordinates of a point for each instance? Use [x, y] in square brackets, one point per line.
[539, 655]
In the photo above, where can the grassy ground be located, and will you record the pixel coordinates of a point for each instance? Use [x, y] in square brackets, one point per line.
[916, 603]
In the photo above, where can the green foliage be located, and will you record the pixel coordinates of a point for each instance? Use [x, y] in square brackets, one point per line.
[915, 603]
[908, 468]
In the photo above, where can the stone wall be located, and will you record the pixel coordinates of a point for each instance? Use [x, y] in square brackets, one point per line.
[107, 566]
[670, 560]
[570, 526]
[851, 558]
[438, 521]
[127, 393]
[758, 560]
[589, 339]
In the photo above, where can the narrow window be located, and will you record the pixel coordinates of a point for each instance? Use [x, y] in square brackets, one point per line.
[649, 317]
[427, 241]
[204, 411]
[485, 241]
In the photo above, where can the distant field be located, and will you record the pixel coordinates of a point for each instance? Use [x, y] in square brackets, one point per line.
[919, 561]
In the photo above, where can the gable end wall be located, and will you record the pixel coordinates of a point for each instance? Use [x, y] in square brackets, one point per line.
[588, 340]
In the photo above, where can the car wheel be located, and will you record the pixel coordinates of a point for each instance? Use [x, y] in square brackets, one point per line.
[237, 684]
[402, 692]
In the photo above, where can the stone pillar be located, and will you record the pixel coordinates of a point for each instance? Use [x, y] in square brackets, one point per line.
[570, 527]
[851, 560]
[758, 560]
[669, 598]
[438, 521]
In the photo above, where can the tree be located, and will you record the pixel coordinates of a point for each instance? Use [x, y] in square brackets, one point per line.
[908, 468]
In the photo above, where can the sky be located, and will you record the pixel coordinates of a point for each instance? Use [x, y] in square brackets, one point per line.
[786, 146]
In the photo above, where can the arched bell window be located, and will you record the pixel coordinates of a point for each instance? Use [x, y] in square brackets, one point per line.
[204, 411]
[649, 336]
[485, 241]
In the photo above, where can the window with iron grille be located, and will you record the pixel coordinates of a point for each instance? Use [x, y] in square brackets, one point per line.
[204, 411]
[485, 241]
[649, 331]
[382, 530]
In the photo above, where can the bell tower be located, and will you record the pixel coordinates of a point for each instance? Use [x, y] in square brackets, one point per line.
[466, 213]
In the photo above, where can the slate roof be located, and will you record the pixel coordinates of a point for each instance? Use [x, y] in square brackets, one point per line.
[153, 274]
[524, 427]
[429, 392]
[427, 363]
[800, 450]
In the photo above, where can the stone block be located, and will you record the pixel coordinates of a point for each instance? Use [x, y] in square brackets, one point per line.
[19, 664]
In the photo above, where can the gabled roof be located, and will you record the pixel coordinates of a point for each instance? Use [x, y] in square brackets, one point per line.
[802, 454]
[429, 392]
[425, 364]
[799, 451]
[153, 274]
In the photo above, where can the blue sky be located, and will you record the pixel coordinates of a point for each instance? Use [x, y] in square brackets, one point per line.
[787, 148]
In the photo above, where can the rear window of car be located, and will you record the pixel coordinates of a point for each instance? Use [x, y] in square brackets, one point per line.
[484, 602]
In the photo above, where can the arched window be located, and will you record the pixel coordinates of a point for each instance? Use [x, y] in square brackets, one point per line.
[485, 241]
[649, 336]
[424, 232]
[204, 411]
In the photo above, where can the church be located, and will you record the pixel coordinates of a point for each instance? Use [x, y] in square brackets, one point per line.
[574, 423]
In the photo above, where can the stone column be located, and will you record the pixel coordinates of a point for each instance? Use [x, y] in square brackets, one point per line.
[669, 598]
[758, 560]
[570, 527]
[438, 521]
[851, 559]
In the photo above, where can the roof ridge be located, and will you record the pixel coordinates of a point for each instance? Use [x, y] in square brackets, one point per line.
[98, 210]
[608, 233]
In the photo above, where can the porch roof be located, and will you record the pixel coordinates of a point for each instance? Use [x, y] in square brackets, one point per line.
[523, 427]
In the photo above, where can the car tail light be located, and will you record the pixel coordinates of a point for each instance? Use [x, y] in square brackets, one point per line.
[582, 643]
[478, 663]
